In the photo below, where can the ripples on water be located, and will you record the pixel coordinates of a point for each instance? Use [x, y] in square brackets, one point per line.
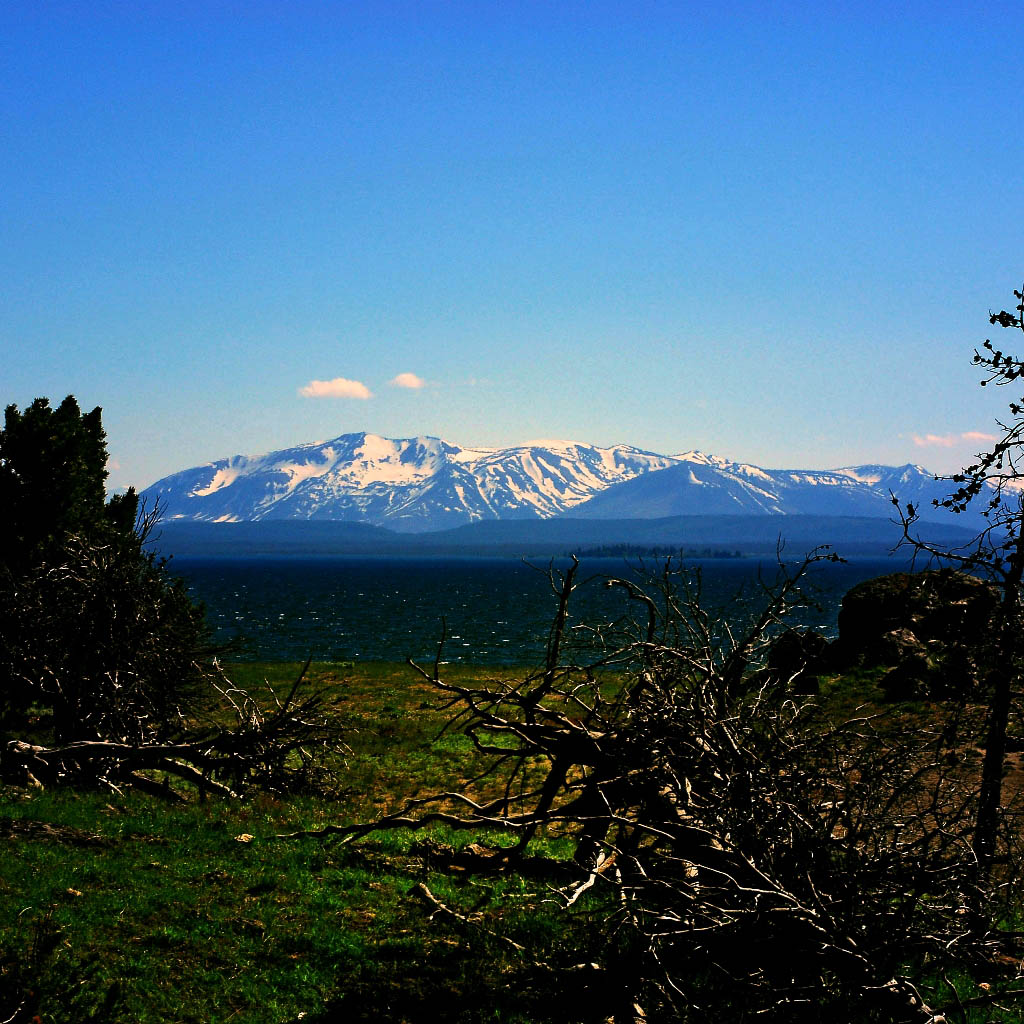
[498, 611]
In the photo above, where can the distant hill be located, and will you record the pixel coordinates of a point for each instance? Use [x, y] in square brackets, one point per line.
[425, 484]
[292, 537]
[746, 535]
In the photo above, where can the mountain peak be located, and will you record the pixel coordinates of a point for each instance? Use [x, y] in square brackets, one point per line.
[421, 482]
[426, 483]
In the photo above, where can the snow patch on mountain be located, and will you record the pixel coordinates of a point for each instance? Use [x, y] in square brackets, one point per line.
[411, 483]
[222, 478]
[426, 483]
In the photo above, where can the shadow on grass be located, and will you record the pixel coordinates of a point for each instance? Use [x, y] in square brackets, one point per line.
[458, 983]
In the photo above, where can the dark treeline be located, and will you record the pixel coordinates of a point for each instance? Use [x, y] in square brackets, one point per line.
[660, 551]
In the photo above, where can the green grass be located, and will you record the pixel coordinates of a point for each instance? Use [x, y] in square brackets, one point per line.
[191, 923]
[129, 909]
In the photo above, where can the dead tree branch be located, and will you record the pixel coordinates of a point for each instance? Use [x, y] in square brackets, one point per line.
[725, 828]
[242, 741]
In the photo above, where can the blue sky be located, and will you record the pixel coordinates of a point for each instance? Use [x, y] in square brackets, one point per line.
[769, 233]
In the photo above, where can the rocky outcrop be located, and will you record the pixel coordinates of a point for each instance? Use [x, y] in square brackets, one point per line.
[929, 627]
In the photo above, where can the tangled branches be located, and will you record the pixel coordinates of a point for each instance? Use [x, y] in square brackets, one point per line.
[744, 853]
[242, 741]
[108, 677]
[102, 637]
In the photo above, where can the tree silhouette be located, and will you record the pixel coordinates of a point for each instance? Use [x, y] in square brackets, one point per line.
[52, 476]
[102, 651]
[995, 480]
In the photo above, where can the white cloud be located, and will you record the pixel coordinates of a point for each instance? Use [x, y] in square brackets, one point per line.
[407, 380]
[948, 440]
[340, 387]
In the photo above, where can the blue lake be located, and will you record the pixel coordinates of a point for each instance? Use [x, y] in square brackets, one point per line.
[498, 611]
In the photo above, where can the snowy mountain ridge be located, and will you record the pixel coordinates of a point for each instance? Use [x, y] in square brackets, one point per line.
[426, 483]
[417, 483]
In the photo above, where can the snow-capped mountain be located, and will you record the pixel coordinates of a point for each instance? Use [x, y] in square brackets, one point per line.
[420, 483]
[425, 483]
[699, 484]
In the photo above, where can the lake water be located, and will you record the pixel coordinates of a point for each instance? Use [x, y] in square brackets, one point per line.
[498, 611]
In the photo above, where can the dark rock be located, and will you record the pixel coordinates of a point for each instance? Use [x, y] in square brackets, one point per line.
[899, 645]
[799, 656]
[929, 628]
[908, 680]
[951, 607]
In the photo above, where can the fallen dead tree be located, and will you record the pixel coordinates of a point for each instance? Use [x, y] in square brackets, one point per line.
[742, 853]
[240, 741]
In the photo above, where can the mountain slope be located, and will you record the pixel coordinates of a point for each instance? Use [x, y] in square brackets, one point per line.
[424, 483]
[420, 483]
[700, 484]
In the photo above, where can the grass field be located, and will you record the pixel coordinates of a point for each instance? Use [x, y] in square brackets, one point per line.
[124, 907]
[198, 912]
